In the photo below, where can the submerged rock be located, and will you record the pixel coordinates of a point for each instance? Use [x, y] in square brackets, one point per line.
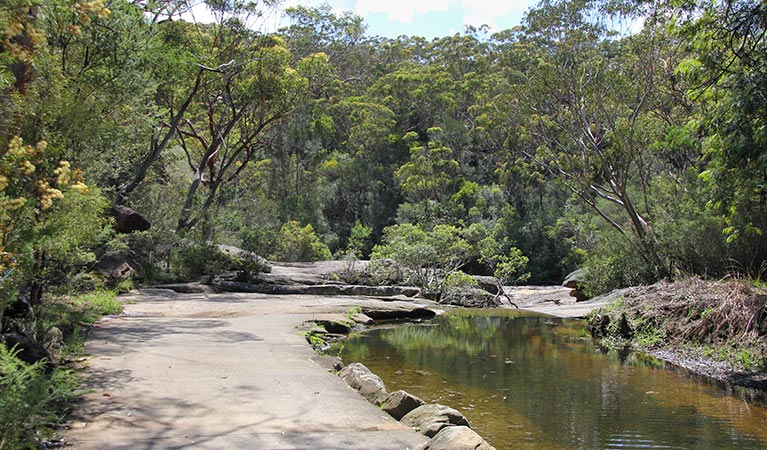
[430, 419]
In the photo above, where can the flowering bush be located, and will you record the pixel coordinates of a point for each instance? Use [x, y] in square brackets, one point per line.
[47, 215]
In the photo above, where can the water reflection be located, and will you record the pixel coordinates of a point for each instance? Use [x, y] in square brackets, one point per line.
[526, 381]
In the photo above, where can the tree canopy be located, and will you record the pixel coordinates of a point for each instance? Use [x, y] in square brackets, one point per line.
[627, 137]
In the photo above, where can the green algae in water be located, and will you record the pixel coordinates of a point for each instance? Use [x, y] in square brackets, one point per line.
[527, 381]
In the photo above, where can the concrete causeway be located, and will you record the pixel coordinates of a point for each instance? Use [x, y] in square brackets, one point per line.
[223, 371]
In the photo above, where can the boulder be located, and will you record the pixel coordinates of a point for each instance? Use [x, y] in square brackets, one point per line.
[19, 309]
[261, 262]
[457, 438]
[399, 403]
[430, 419]
[487, 283]
[572, 279]
[472, 298]
[29, 350]
[128, 220]
[122, 266]
[369, 385]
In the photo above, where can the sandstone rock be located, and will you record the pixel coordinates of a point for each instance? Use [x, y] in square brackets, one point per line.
[122, 266]
[410, 312]
[399, 403]
[472, 298]
[457, 438]
[329, 363]
[572, 279]
[579, 295]
[334, 326]
[262, 263]
[19, 309]
[29, 350]
[369, 385]
[487, 283]
[362, 319]
[285, 288]
[128, 220]
[430, 419]
[168, 290]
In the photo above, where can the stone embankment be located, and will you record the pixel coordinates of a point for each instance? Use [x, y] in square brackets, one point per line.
[447, 428]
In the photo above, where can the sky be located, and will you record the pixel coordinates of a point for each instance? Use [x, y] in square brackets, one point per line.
[426, 18]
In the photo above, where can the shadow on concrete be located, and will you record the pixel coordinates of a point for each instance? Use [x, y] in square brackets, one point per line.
[132, 331]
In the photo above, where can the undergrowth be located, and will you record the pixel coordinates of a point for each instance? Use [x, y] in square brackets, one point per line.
[721, 320]
[33, 396]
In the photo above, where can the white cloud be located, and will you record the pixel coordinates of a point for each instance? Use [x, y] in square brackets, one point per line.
[488, 8]
[402, 10]
[487, 12]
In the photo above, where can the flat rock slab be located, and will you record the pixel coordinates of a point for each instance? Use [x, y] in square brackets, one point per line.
[222, 371]
[554, 300]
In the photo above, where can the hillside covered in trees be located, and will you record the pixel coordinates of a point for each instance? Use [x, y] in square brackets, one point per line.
[626, 137]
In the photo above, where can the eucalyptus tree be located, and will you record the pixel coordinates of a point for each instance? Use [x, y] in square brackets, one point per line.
[596, 107]
[233, 85]
[727, 73]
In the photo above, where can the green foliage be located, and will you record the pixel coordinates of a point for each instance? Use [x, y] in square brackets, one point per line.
[384, 272]
[429, 173]
[208, 260]
[360, 240]
[456, 287]
[613, 263]
[432, 256]
[71, 315]
[416, 250]
[258, 240]
[218, 133]
[29, 399]
[297, 243]
[101, 303]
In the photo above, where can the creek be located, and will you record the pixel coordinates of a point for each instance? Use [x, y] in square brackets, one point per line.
[526, 381]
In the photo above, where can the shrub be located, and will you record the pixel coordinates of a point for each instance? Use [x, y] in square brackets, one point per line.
[259, 240]
[434, 255]
[29, 396]
[360, 240]
[296, 243]
[100, 303]
[208, 260]
[614, 263]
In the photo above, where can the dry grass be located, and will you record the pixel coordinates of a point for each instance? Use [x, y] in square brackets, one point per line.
[703, 312]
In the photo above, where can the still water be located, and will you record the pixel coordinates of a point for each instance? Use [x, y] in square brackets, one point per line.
[529, 382]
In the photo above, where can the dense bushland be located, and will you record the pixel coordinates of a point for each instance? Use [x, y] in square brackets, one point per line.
[626, 137]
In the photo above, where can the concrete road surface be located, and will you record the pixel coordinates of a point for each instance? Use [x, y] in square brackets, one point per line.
[222, 371]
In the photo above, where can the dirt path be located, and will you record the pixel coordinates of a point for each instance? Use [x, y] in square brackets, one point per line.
[222, 371]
